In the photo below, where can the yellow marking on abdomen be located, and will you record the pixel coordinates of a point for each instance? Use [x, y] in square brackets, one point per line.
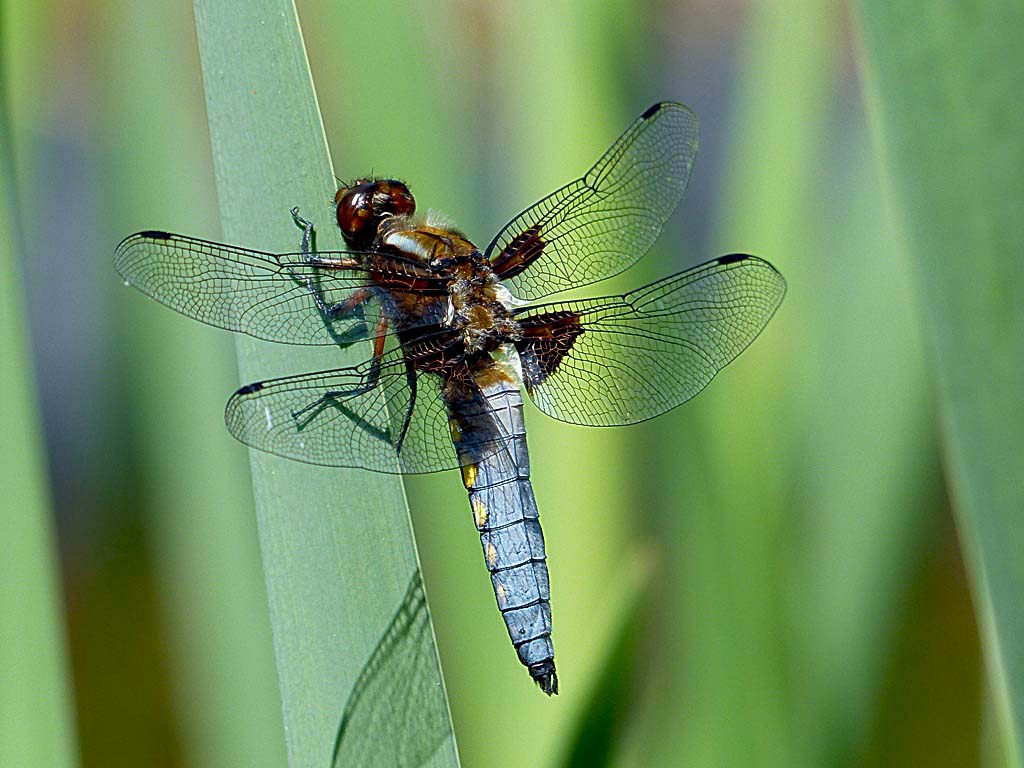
[492, 555]
[500, 592]
[469, 475]
[479, 512]
[453, 425]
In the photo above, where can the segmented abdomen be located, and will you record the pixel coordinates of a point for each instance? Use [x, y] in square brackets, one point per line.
[505, 513]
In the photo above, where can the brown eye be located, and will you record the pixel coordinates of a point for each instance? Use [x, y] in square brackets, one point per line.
[355, 212]
[362, 208]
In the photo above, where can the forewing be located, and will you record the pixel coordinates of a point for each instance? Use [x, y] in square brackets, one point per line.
[350, 417]
[624, 359]
[265, 295]
[603, 222]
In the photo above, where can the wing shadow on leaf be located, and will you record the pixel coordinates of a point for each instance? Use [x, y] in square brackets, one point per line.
[396, 715]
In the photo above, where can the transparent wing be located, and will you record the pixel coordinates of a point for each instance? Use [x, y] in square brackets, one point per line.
[266, 295]
[603, 222]
[396, 713]
[388, 419]
[624, 359]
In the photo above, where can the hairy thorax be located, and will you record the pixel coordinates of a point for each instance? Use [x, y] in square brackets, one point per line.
[476, 306]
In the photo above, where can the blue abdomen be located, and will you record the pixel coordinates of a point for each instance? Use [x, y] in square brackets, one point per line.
[505, 513]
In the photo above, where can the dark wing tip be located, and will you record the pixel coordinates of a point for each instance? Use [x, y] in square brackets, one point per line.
[732, 258]
[754, 261]
[545, 676]
[235, 407]
[658, 106]
[124, 253]
[653, 110]
[736, 258]
[248, 389]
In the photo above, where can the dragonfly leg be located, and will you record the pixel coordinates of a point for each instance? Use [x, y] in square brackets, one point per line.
[345, 308]
[308, 412]
[410, 377]
[308, 233]
[309, 255]
[309, 247]
[348, 307]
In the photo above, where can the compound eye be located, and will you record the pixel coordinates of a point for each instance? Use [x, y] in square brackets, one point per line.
[395, 198]
[355, 212]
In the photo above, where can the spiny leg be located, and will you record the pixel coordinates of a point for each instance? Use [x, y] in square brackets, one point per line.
[370, 383]
[410, 377]
[308, 233]
[347, 307]
[309, 252]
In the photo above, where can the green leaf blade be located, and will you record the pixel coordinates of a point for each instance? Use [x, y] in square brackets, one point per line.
[37, 726]
[944, 86]
[337, 545]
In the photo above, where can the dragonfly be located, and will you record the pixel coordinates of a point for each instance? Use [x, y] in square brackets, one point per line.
[458, 333]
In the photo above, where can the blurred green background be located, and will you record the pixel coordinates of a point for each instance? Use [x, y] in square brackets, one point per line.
[772, 575]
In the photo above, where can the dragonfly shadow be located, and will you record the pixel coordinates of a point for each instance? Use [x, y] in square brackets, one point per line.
[359, 330]
[396, 715]
[356, 332]
[305, 417]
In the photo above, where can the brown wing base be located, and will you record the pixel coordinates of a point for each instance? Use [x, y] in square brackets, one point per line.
[546, 340]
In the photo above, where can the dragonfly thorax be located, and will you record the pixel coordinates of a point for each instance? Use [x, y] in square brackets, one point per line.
[478, 306]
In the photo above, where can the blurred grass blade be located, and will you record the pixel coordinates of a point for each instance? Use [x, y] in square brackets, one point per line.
[196, 489]
[945, 82]
[606, 716]
[337, 545]
[36, 726]
[728, 492]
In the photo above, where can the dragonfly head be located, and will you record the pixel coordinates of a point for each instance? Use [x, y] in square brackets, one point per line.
[363, 206]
